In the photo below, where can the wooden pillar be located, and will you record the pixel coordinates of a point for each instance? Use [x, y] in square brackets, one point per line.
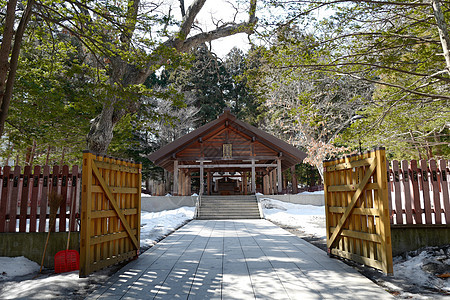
[266, 183]
[202, 171]
[208, 183]
[188, 183]
[253, 177]
[294, 181]
[244, 183]
[181, 183]
[279, 179]
[175, 178]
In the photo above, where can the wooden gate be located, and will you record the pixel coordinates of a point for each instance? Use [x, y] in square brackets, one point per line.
[357, 209]
[110, 212]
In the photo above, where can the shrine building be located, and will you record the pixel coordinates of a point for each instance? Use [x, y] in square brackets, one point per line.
[231, 156]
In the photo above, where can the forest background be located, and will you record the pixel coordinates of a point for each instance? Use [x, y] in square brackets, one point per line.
[124, 78]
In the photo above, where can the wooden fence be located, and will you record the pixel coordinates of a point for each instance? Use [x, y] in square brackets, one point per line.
[419, 192]
[24, 194]
[110, 212]
[357, 209]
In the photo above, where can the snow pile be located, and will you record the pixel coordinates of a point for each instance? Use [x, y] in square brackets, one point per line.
[308, 218]
[311, 193]
[156, 225]
[11, 267]
[428, 267]
[61, 286]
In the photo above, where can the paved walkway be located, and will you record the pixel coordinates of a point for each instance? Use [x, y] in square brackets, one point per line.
[237, 259]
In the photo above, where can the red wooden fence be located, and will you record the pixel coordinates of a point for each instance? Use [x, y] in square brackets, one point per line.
[24, 194]
[419, 192]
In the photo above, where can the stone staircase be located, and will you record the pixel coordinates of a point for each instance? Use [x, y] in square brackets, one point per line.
[228, 207]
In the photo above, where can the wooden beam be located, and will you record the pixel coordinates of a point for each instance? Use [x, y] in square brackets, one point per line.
[253, 177]
[175, 178]
[201, 178]
[280, 180]
[227, 166]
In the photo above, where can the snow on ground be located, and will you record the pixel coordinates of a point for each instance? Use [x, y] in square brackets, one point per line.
[156, 225]
[17, 274]
[21, 266]
[308, 218]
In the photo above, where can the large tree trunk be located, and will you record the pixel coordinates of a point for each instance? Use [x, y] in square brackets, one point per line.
[101, 132]
[443, 31]
[8, 70]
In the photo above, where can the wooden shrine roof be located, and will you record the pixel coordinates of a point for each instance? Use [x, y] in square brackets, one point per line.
[247, 142]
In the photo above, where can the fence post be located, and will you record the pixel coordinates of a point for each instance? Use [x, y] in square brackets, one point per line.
[86, 203]
[385, 226]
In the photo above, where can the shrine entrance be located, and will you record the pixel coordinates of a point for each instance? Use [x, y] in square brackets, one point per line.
[228, 157]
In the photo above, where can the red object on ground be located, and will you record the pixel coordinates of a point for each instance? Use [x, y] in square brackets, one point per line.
[67, 261]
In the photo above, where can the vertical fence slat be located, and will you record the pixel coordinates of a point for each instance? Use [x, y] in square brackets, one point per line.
[397, 193]
[54, 188]
[436, 196]
[407, 192]
[63, 207]
[34, 182]
[14, 200]
[44, 199]
[426, 191]
[444, 188]
[4, 197]
[415, 192]
[73, 198]
[389, 185]
[24, 199]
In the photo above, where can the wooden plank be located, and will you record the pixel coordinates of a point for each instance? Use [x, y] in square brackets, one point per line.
[351, 187]
[112, 200]
[137, 196]
[85, 253]
[406, 191]
[113, 260]
[6, 185]
[109, 237]
[24, 199]
[350, 164]
[55, 187]
[357, 258]
[426, 191]
[356, 210]
[365, 218]
[436, 196]
[444, 189]
[389, 172]
[397, 193]
[352, 203]
[116, 189]
[385, 226]
[34, 182]
[74, 198]
[43, 205]
[227, 166]
[106, 165]
[63, 207]
[415, 192]
[14, 199]
[359, 235]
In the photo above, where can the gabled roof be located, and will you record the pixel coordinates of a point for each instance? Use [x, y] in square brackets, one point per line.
[289, 154]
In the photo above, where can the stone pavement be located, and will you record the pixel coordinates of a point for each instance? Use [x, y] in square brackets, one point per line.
[237, 259]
